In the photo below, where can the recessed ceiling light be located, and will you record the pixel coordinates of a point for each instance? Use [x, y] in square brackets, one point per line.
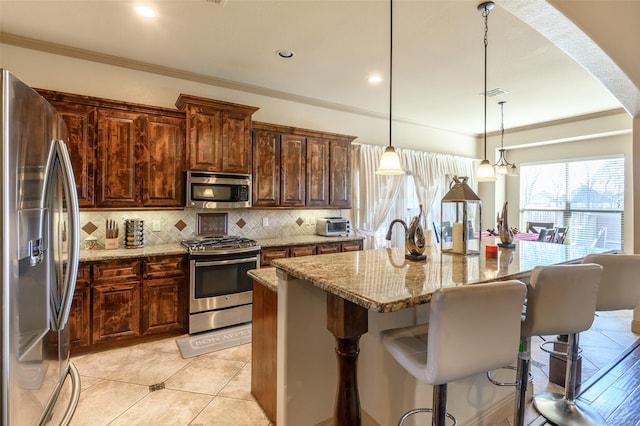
[145, 11]
[286, 54]
[375, 79]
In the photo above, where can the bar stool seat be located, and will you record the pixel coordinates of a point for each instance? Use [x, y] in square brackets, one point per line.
[561, 299]
[471, 329]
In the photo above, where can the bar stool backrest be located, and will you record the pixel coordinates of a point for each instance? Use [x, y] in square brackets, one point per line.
[620, 284]
[561, 299]
[473, 329]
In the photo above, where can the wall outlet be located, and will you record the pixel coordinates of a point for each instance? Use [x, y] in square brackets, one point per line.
[312, 220]
[156, 226]
[265, 221]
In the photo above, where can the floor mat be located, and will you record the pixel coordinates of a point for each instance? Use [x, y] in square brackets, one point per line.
[212, 341]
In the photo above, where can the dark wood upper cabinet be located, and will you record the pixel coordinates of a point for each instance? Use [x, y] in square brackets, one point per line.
[161, 148]
[317, 172]
[218, 135]
[266, 168]
[124, 155]
[81, 121]
[340, 174]
[313, 168]
[292, 170]
[116, 183]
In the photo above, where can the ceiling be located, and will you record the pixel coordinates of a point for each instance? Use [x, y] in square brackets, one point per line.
[438, 53]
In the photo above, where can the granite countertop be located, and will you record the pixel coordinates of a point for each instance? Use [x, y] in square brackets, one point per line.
[123, 253]
[303, 239]
[265, 276]
[383, 280]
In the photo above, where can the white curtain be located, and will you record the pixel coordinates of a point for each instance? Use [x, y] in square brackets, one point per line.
[374, 195]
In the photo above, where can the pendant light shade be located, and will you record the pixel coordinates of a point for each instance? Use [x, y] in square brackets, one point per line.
[503, 166]
[390, 161]
[486, 172]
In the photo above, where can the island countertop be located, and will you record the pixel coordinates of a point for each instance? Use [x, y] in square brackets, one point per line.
[384, 281]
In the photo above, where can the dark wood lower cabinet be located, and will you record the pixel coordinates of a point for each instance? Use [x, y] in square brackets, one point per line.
[125, 301]
[263, 349]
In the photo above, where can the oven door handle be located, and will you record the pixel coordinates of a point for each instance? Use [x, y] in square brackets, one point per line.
[225, 262]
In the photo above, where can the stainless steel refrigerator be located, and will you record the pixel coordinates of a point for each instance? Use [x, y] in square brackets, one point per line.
[40, 247]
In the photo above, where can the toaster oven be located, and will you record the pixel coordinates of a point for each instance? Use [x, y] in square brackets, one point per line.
[333, 226]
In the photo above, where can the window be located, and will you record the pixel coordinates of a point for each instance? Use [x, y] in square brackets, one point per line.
[587, 196]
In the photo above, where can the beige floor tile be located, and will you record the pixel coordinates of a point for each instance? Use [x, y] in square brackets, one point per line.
[228, 411]
[205, 375]
[239, 386]
[104, 363]
[86, 382]
[236, 353]
[168, 345]
[164, 407]
[106, 400]
[150, 368]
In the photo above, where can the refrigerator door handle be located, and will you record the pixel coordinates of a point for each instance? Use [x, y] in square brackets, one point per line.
[71, 196]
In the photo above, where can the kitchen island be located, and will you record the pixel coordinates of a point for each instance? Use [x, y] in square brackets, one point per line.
[355, 295]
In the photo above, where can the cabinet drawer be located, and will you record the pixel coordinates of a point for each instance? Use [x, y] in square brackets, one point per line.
[117, 271]
[328, 248]
[269, 254]
[163, 267]
[352, 246]
[297, 251]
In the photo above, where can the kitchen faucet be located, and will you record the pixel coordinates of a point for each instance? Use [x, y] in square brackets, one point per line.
[414, 242]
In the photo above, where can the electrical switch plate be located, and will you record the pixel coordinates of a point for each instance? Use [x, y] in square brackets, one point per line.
[312, 221]
[265, 221]
[156, 226]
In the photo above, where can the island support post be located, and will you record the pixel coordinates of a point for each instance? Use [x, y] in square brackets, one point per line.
[347, 322]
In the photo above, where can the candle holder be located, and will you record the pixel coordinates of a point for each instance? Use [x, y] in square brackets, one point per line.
[461, 219]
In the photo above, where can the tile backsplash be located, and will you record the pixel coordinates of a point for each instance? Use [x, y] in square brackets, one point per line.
[176, 225]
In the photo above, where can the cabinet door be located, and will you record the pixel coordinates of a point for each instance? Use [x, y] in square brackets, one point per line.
[116, 183]
[340, 179]
[205, 139]
[270, 253]
[236, 143]
[304, 250]
[115, 300]
[328, 248]
[266, 169]
[80, 314]
[161, 305]
[293, 155]
[116, 311]
[81, 121]
[317, 172]
[162, 178]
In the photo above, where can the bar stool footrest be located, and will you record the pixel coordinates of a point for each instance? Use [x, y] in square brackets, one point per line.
[490, 376]
[554, 352]
[424, 410]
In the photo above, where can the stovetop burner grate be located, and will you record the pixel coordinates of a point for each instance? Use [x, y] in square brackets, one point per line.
[218, 243]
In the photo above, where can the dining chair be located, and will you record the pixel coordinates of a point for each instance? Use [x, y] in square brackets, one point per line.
[546, 235]
[535, 227]
[560, 234]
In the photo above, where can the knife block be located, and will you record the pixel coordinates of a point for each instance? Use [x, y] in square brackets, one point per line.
[110, 243]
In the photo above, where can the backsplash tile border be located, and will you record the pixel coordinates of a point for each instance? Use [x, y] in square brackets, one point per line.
[178, 225]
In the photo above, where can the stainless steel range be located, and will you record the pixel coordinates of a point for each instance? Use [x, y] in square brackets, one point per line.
[220, 292]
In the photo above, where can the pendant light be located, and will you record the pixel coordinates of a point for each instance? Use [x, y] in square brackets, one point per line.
[390, 161]
[486, 172]
[503, 166]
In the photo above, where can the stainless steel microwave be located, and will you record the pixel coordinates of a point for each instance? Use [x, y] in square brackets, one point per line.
[211, 190]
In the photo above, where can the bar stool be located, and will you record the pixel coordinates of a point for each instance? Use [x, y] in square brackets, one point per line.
[619, 286]
[471, 330]
[561, 300]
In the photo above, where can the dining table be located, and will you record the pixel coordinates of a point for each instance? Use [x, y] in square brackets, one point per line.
[350, 292]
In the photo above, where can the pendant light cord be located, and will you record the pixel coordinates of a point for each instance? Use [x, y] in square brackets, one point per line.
[485, 14]
[390, 66]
